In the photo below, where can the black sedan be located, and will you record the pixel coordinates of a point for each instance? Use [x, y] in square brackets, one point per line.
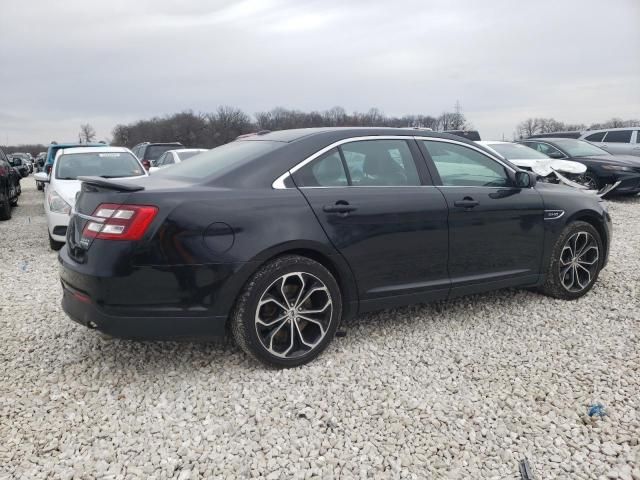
[603, 169]
[278, 237]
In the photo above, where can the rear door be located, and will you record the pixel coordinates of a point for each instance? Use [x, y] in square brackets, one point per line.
[379, 209]
[496, 231]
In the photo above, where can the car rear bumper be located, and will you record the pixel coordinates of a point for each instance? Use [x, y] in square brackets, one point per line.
[81, 309]
[149, 302]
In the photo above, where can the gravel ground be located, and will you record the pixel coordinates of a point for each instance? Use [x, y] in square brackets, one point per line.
[463, 389]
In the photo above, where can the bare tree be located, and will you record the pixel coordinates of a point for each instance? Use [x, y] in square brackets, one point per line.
[528, 127]
[87, 133]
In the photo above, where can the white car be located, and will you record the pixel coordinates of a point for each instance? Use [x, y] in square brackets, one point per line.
[560, 171]
[63, 184]
[171, 157]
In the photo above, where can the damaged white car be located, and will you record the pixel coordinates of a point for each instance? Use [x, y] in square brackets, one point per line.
[550, 170]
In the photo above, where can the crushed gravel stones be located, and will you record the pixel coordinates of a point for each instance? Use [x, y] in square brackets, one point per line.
[460, 389]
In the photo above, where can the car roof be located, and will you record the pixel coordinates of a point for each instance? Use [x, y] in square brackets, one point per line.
[106, 149]
[178, 150]
[596, 130]
[493, 142]
[293, 135]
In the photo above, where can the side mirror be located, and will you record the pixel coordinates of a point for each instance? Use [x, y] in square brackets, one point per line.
[41, 177]
[556, 155]
[524, 179]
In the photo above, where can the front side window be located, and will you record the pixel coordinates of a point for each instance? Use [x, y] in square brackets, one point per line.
[380, 163]
[168, 159]
[618, 136]
[460, 166]
[595, 137]
[106, 165]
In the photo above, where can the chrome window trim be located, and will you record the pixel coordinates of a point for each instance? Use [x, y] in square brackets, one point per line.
[278, 183]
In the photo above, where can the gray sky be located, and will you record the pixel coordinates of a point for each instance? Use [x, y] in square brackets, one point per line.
[63, 63]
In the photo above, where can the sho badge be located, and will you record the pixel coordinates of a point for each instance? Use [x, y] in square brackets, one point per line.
[553, 214]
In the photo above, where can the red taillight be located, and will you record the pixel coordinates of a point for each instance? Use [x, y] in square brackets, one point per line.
[146, 164]
[121, 222]
[47, 169]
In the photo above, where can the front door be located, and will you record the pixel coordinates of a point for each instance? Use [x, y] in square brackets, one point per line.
[375, 204]
[496, 231]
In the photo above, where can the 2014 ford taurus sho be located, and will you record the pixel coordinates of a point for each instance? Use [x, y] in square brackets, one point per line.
[278, 237]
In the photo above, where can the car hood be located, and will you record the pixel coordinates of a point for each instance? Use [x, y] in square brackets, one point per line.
[626, 160]
[546, 167]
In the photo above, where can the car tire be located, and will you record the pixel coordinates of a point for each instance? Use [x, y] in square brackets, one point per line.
[39, 186]
[54, 244]
[5, 209]
[288, 312]
[575, 263]
[14, 202]
[591, 180]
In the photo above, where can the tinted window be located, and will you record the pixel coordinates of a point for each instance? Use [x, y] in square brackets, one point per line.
[595, 137]
[325, 171]
[153, 152]
[107, 165]
[221, 159]
[579, 148]
[544, 148]
[618, 136]
[386, 163]
[461, 166]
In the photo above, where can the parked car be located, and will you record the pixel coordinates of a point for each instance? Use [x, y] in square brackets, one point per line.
[612, 175]
[9, 183]
[617, 141]
[26, 158]
[39, 163]
[279, 237]
[52, 151]
[556, 171]
[149, 152]
[171, 157]
[71, 163]
[20, 164]
[571, 134]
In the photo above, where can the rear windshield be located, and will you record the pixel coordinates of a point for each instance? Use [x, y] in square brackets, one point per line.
[153, 152]
[579, 148]
[184, 155]
[513, 151]
[220, 160]
[107, 165]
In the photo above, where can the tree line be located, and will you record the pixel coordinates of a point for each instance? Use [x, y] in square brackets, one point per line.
[534, 126]
[209, 130]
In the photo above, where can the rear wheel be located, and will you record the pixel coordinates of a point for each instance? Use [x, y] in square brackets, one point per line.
[575, 262]
[39, 185]
[591, 181]
[55, 245]
[288, 312]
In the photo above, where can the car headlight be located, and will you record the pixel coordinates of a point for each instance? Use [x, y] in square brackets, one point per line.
[57, 203]
[617, 168]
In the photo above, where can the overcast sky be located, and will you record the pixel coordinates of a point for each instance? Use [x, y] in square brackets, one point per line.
[63, 63]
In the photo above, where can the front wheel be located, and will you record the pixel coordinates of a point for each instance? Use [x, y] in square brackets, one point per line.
[5, 208]
[288, 312]
[575, 262]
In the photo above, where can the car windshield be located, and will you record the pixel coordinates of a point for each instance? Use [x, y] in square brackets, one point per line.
[184, 155]
[220, 160]
[154, 152]
[514, 151]
[108, 165]
[579, 148]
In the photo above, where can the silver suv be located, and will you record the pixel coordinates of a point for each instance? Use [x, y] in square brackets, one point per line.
[618, 141]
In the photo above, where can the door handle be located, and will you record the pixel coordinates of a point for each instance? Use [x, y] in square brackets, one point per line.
[466, 202]
[339, 207]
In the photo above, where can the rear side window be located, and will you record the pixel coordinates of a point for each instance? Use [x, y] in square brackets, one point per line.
[366, 163]
[595, 137]
[618, 136]
[325, 171]
[380, 163]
